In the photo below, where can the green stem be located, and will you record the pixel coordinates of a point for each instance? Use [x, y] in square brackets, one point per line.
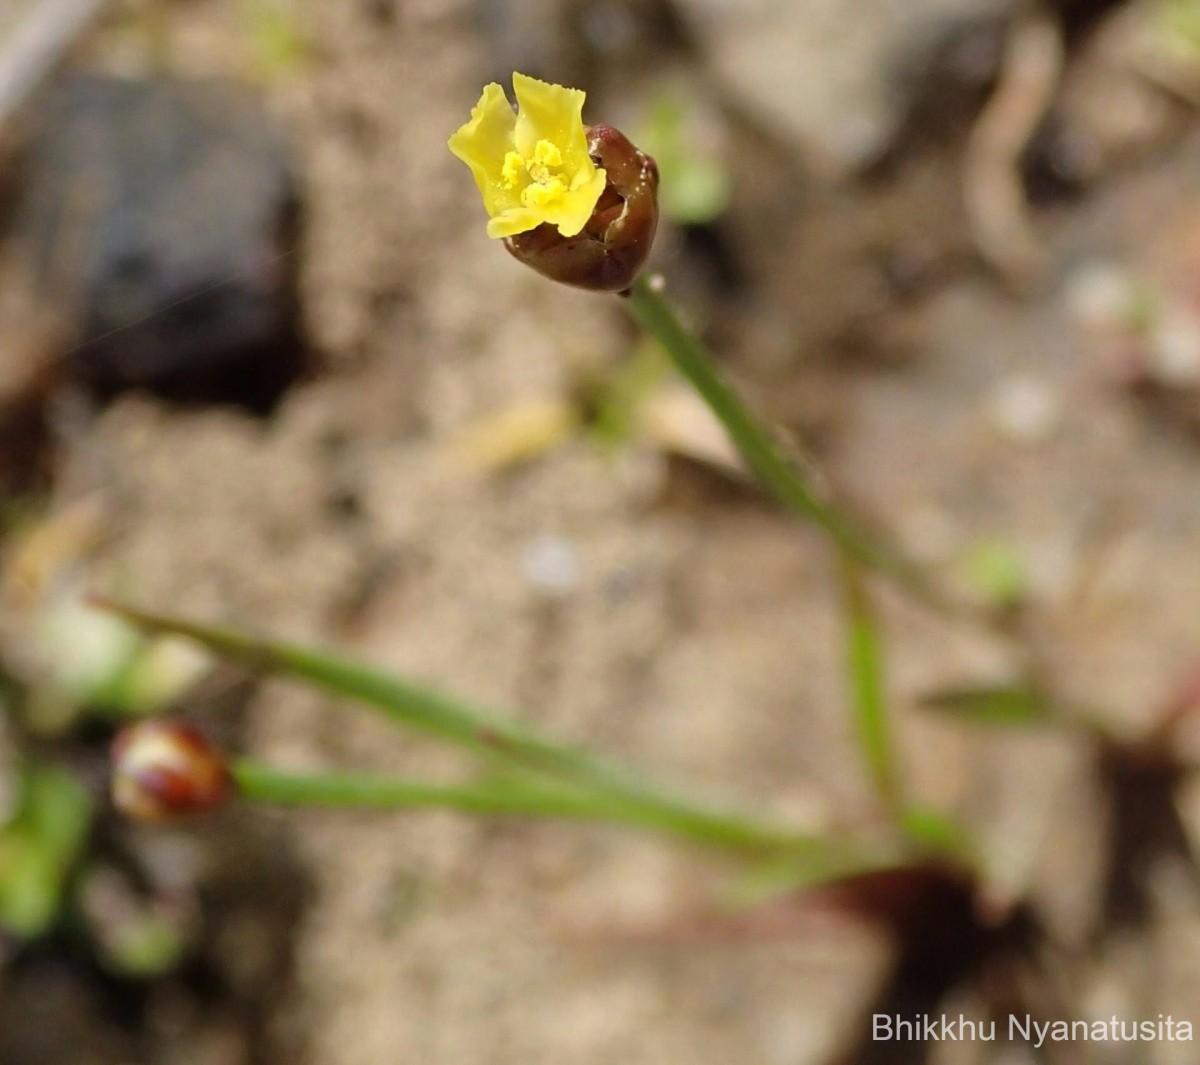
[864, 654]
[263, 784]
[783, 479]
[576, 775]
[513, 796]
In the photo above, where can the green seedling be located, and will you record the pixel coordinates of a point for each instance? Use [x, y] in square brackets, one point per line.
[40, 847]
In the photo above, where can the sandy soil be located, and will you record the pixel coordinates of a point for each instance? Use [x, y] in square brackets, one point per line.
[702, 637]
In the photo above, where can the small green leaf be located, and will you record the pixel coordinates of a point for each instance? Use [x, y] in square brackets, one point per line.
[864, 665]
[937, 833]
[29, 888]
[39, 846]
[58, 810]
[626, 391]
[148, 945]
[695, 187]
[993, 705]
[699, 191]
[275, 37]
[1181, 18]
[135, 934]
[996, 571]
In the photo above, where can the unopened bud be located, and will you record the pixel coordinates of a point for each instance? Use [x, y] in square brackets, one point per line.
[164, 770]
[616, 240]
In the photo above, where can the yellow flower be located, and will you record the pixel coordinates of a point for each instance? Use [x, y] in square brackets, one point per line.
[531, 166]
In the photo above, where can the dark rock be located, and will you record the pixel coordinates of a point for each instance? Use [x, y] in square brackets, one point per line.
[163, 217]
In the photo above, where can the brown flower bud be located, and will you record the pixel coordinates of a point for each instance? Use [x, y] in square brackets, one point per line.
[163, 770]
[612, 248]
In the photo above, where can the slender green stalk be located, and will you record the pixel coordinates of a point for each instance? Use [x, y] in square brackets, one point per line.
[514, 796]
[783, 479]
[578, 778]
[263, 784]
[864, 654]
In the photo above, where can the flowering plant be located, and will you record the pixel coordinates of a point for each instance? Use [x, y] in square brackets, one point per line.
[577, 203]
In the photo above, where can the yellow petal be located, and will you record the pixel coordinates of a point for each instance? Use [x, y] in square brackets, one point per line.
[531, 167]
[483, 142]
[515, 220]
[552, 113]
[572, 212]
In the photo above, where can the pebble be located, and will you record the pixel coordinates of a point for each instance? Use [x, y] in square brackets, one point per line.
[1175, 347]
[1026, 409]
[1100, 295]
[551, 565]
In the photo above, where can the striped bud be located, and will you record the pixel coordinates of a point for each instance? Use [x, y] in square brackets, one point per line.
[164, 770]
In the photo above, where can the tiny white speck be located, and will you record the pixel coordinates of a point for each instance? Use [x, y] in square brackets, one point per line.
[1025, 408]
[551, 564]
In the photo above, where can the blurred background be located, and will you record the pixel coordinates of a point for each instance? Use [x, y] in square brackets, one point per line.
[260, 364]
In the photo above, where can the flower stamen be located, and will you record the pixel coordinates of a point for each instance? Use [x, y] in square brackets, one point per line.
[545, 186]
[546, 156]
[513, 169]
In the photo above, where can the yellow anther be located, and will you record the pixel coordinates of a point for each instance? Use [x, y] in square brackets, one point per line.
[542, 194]
[547, 154]
[546, 187]
[514, 167]
[546, 157]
